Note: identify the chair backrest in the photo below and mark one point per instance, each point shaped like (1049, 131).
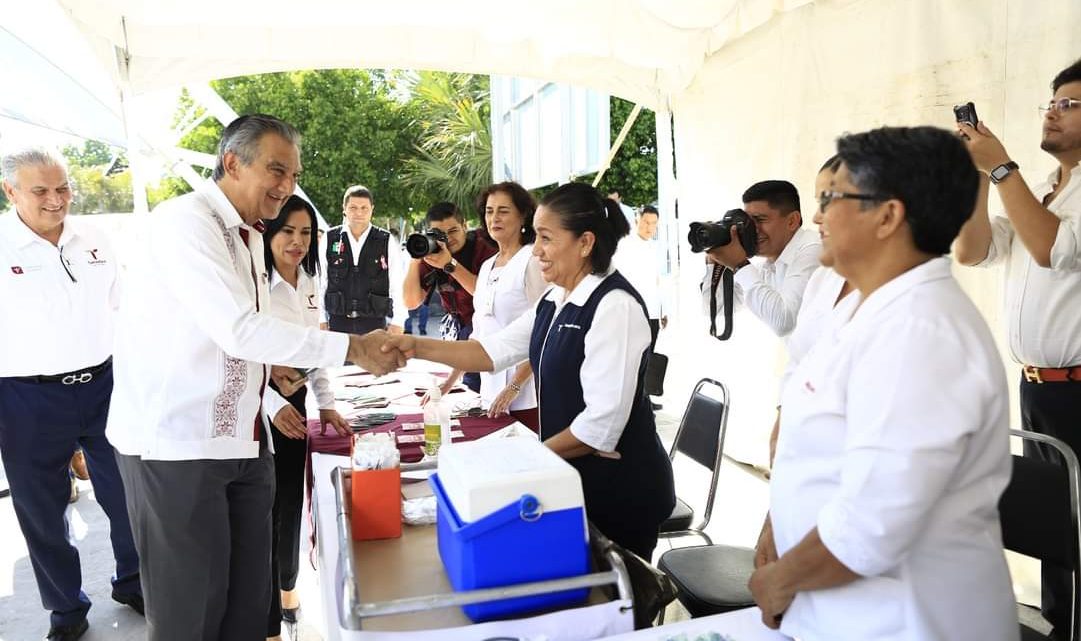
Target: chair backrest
(1040, 515)
(701, 436)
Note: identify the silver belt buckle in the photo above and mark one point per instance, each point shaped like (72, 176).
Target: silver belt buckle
(77, 379)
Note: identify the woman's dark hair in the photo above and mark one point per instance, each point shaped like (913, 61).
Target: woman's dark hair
(523, 202)
(581, 208)
(832, 164)
(926, 168)
(310, 264)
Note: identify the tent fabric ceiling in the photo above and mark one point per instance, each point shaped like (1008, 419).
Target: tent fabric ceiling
(639, 49)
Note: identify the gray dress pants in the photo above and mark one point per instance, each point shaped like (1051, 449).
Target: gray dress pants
(202, 529)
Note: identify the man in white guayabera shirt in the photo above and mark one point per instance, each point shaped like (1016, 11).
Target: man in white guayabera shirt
(194, 341)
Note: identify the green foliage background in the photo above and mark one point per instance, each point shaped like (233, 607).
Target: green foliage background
(413, 138)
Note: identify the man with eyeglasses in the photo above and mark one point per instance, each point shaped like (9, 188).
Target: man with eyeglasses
(58, 284)
(1039, 241)
(771, 288)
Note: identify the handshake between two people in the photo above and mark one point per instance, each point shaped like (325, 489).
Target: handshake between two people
(380, 352)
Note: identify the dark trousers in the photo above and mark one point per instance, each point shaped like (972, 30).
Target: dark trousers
(1053, 409)
(654, 330)
(41, 425)
(203, 532)
(356, 325)
(290, 457)
(420, 314)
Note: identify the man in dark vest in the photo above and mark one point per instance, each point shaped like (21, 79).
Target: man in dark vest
(364, 271)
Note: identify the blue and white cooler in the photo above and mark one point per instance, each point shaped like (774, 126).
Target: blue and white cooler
(510, 511)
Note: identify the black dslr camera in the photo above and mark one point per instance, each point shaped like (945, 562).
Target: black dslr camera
(706, 236)
(426, 243)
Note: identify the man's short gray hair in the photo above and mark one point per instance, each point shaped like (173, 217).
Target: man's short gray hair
(16, 159)
(242, 138)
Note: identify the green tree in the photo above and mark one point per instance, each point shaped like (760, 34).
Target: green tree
(454, 154)
(355, 131)
(99, 177)
(634, 169)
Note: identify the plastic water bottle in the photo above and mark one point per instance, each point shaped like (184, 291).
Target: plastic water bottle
(434, 419)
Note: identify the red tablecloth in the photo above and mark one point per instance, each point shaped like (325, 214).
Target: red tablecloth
(472, 428)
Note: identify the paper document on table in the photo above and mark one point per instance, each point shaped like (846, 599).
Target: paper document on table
(740, 625)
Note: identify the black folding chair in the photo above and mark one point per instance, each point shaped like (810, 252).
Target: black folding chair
(711, 578)
(1040, 518)
(700, 441)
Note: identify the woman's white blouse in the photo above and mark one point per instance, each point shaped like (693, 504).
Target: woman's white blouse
(614, 345)
(302, 305)
(502, 295)
(894, 443)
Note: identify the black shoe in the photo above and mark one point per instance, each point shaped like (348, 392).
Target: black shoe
(134, 601)
(67, 632)
(289, 615)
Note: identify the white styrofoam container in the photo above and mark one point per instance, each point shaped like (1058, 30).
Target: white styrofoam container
(483, 476)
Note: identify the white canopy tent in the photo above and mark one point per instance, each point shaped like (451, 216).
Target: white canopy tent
(755, 89)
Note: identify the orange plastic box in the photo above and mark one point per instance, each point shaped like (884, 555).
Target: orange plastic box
(377, 504)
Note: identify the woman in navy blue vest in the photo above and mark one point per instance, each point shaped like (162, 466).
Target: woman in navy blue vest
(587, 340)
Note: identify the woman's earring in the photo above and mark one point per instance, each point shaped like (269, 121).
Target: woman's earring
(523, 230)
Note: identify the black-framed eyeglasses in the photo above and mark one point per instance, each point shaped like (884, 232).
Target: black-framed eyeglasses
(1060, 105)
(828, 196)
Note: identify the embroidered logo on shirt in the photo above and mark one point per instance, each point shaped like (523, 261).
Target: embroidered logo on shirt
(807, 386)
(383, 263)
(94, 260)
(568, 326)
(15, 269)
(311, 302)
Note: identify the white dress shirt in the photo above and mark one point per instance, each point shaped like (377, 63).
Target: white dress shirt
(502, 295)
(1043, 305)
(772, 290)
(395, 271)
(614, 346)
(191, 344)
(53, 322)
(894, 443)
(302, 306)
(819, 304)
(636, 259)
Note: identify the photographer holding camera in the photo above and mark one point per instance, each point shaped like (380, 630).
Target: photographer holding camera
(447, 258)
(363, 269)
(771, 289)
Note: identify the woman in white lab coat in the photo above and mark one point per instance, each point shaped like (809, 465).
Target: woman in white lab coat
(291, 248)
(893, 448)
(508, 285)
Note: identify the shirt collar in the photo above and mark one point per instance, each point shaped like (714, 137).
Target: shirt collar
(582, 291)
(276, 278)
(798, 240)
(934, 269)
(24, 236)
(224, 207)
(1053, 177)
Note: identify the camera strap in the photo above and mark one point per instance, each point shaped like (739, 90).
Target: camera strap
(726, 277)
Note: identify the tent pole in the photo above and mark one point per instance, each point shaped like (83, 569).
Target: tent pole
(618, 143)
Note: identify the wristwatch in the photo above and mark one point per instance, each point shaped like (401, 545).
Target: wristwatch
(451, 266)
(998, 174)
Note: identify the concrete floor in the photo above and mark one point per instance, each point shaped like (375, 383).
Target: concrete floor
(22, 617)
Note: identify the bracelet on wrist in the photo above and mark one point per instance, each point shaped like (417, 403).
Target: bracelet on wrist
(516, 387)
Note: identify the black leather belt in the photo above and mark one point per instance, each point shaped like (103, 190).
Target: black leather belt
(77, 377)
